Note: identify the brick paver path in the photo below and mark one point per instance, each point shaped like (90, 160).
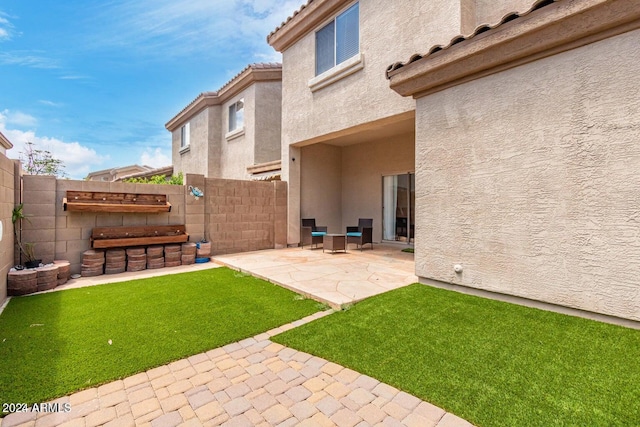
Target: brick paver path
(254, 382)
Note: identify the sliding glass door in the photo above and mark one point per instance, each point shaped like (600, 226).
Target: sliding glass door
(398, 210)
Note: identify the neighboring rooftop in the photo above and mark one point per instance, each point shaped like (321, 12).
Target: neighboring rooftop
(258, 72)
(167, 171)
(114, 173)
(4, 142)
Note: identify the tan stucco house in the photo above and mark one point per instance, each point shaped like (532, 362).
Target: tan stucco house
(233, 133)
(114, 174)
(528, 156)
(507, 150)
(348, 142)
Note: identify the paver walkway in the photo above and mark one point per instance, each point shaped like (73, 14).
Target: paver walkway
(254, 382)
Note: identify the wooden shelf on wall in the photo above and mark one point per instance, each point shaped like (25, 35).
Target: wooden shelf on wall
(93, 201)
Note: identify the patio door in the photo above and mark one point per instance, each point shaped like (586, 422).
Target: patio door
(398, 210)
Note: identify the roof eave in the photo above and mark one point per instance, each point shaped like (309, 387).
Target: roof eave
(251, 74)
(203, 101)
(248, 77)
(303, 21)
(4, 142)
(547, 31)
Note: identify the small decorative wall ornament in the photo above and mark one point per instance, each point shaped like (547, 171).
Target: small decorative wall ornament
(196, 192)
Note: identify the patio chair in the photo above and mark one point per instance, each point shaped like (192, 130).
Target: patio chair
(362, 234)
(310, 233)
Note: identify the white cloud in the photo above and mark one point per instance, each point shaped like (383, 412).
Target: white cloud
(155, 158)
(73, 77)
(167, 27)
(18, 118)
(50, 103)
(5, 27)
(78, 159)
(31, 59)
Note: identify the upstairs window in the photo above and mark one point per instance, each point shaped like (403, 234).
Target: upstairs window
(339, 40)
(185, 136)
(236, 115)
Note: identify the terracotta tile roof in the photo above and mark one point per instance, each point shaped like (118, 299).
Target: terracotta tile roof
(289, 18)
(256, 66)
(200, 96)
(212, 97)
(479, 30)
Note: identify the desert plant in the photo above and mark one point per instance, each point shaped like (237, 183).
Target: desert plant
(157, 179)
(26, 249)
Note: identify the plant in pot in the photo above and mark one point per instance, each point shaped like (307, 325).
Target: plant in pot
(26, 249)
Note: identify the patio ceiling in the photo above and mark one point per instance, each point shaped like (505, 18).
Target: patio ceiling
(383, 129)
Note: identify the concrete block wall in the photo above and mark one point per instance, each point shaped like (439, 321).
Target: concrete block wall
(237, 216)
(195, 209)
(59, 234)
(39, 198)
(245, 215)
(8, 170)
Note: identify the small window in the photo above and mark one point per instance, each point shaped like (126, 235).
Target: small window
(339, 40)
(236, 115)
(185, 136)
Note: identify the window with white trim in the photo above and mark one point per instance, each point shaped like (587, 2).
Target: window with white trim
(185, 135)
(236, 115)
(339, 40)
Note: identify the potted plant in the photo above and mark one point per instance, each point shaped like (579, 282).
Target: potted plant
(26, 249)
(30, 260)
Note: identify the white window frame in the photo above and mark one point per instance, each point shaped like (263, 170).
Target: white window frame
(236, 116)
(333, 22)
(185, 136)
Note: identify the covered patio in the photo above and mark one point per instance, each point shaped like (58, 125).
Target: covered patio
(336, 279)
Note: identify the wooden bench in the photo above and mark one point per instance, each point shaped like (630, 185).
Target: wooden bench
(93, 201)
(116, 237)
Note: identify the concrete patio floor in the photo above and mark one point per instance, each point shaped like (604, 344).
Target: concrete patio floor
(334, 278)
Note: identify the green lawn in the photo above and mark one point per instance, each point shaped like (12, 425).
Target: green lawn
(53, 344)
(492, 363)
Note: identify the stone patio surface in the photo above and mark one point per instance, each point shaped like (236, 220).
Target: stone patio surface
(254, 382)
(334, 278)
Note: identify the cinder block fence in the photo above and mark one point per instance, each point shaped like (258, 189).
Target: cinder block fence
(234, 215)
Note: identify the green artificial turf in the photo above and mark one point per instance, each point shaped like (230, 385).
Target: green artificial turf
(56, 343)
(492, 363)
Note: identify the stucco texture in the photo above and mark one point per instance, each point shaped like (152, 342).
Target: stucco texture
(204, 144)
(529, 179)
(363, 96)
(349, 106)
(490, 12)
(7, 203)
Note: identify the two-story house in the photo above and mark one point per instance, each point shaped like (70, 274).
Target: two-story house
(508, 152)
(233, 133)
(348, 142)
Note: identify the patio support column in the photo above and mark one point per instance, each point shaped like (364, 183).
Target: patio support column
(291, 161)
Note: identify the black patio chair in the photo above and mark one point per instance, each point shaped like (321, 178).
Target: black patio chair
(362, 234)
(310, 233)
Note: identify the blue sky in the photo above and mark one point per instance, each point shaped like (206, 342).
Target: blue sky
(94, 82)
